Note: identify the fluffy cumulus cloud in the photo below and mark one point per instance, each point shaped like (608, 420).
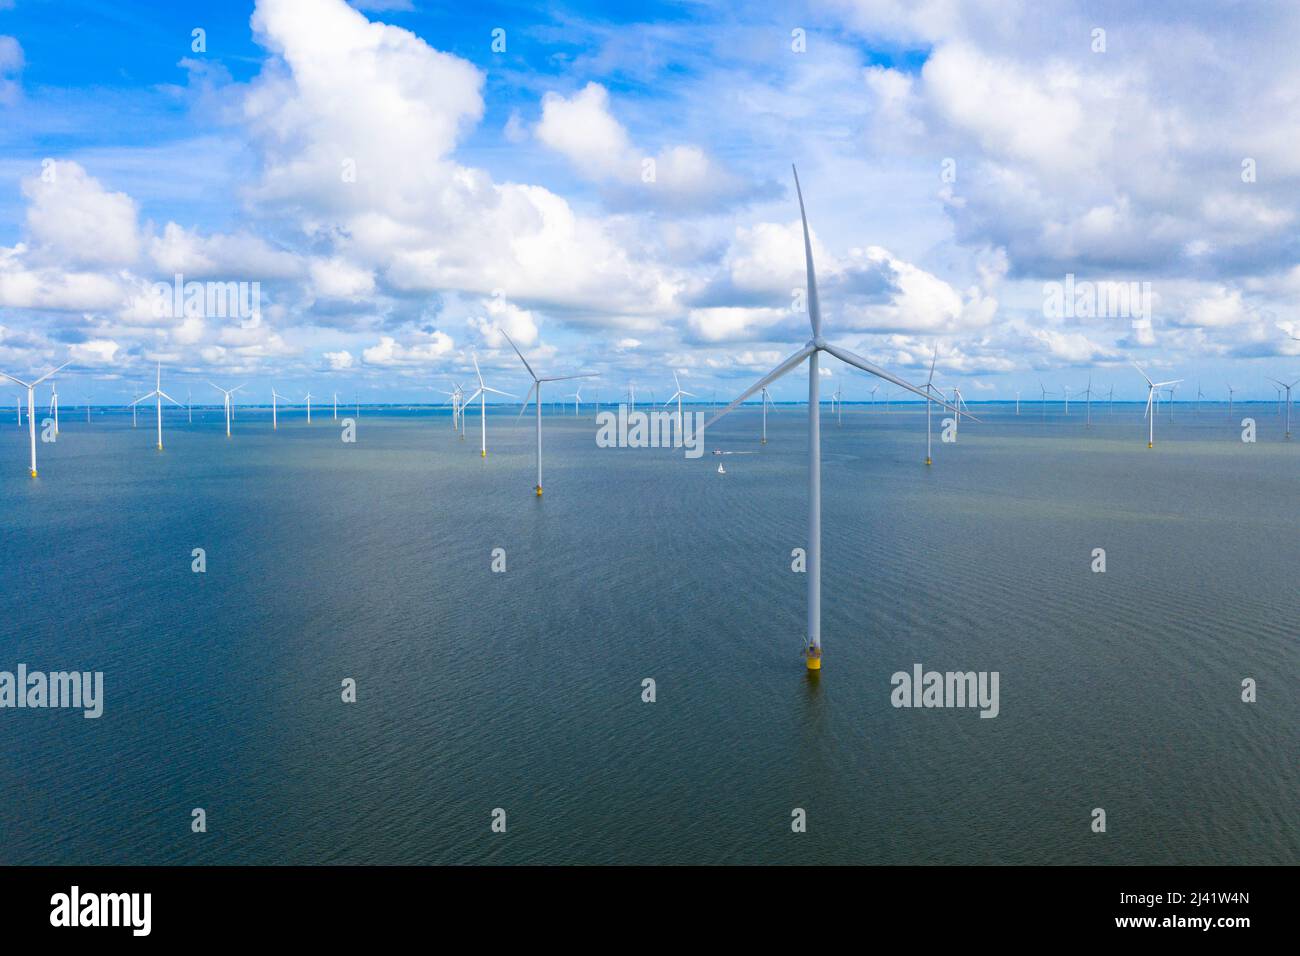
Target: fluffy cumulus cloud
(956, 155)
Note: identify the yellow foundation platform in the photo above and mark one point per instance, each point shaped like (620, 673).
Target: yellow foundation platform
(813, 657)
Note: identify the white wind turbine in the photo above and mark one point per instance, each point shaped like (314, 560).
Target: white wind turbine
(1150, 415)
(336, 406)
(31, 406)
(226, 394)
(536, 387)
(481, 395)
(1044, 399)
(812, 353)
(1017, 401)
(767, 400)
(1288, 401)
(54, 404)
(931, 390)
(453, 399)
(307, 399)
(1088, 393)
(678, 396)
(158, 394)
(839, 404)
(631, 397)
(276, 397)
(958, 403)
(874, 388)
(1231, 390)
(577, 400)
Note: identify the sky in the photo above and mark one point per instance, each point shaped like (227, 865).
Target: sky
(1041, 192)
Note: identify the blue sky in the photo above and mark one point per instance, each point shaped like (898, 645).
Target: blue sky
(958, 159)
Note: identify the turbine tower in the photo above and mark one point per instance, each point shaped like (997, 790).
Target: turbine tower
(275, 417)
(536, 387)
(31, 406)
(812, 353)
(307, 399)
(159, 395)
(54, 404)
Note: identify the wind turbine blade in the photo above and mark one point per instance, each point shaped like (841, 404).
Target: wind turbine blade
(520, 354)
(143, 397)
(1144, 374)
(499, 392)
(474, 356)
(565, 378)
(527, 398)
(1150, 394)
(48, 374)
(1163, 384)
(932, 361)
(814, 306)
(169, 398)
(859, 362)
(17, 381)
(768, 379)
(472, 397)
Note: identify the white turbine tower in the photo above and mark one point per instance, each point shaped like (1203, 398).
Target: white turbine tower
(812, 353)
(536, 387)
(1044, 399)
(307, 399)
(481, 395)
(276, 397)
(336, 406)
(1231, 391)
(958, 403)
(930, 390)
(31, 406)
(577, 400)
(158, 394)
(1088, 393)
(453, 399)
(227, 393)
(678, 396)
(1017, 401)
(1151, 398)
(767, 400)
(874, 389)
(1288, 401)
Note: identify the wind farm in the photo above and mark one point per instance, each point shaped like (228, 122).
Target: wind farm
(863, 588)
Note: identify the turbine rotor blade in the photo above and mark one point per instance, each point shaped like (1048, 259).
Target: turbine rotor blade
(814, 306)
(768, 379)
(844, 355)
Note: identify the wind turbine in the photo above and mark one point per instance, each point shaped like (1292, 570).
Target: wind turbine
(1088, 393)
(1199, 395)
(1044, 399)
(1110, 406)
(1288, 402)
(275, 397)
(631, 397)
(1151, 397)
(453, 399)
(930, 391)
(1171, 391)
(1067, 400)
(536, 387)
(189, 404)
(31, 406)
(1231, 390)
(227, 393)
(159, 395)
(839, 404)
(873, 396)
(1017, 401)
(577, 400)
(54, 404)
(767, 400)
(678, 395)
(307, 398)
(958, 402)
(336, 406)
(812, 353)
(481, 395)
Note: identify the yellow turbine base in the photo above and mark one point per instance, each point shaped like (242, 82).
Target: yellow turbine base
(539, 491)
(1149, 445)
(763, 442)
(160, 446)
(33, 472)
(814, 659)
(927, 461)
(483, 453)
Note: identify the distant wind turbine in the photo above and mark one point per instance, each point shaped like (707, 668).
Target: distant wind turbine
(1288, 402)
(226, 394)
(54, 404)
(275, 415)
(158, 394)
(536, 388)
(481, 395)
(31, 406)
(1152, 388)
(307, 399)
(766, 401)
(812, 353)
(678, 396)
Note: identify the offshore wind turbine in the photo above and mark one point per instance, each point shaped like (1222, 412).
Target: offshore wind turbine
(159, 395)
(1088, 393)
(307, 398)
(930, 390)
(839, 404)
(1017, 401)
(958, 402)
(1231, 390)
(227, 393)
(536, 387)
(874, 388)
(31, 406)
(811, 352)
(481, 395)
(766, 401)
(54, 404)
(336, 406)
(678, 396)
(1043, 403)
(275, 418)
(1066, 392)
(1152, 391)
(1288, 402)
(577, 399)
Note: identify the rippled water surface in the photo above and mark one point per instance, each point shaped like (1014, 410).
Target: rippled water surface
(522, 690)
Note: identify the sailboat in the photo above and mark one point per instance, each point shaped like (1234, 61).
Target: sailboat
(721, 470)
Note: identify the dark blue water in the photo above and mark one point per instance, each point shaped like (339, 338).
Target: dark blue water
(522, 690)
